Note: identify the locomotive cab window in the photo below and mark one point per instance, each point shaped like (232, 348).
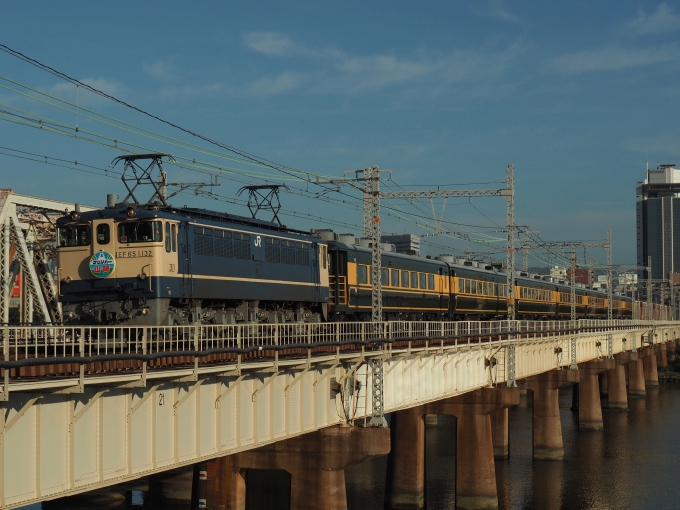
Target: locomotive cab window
(74, 235)
(174, 237)
(103, 233)
(168, 238)
(140, 232)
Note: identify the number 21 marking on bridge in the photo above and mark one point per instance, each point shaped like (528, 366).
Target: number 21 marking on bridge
(161, 399)
(258, 241)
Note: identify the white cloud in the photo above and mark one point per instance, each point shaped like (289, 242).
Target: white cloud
(190, 91)
(660, 21)
(332, 71)
(275, 44)
(275, 85)
(612, 58)
(160, 70)
(496, 9)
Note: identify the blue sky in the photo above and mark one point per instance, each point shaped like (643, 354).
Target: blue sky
(574, 94)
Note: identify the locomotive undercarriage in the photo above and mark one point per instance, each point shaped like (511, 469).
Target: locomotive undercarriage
(168, 312)
(244, 312)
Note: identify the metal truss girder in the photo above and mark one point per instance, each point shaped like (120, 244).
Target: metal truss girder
(27, 268)
(511, 380)
(377, 393)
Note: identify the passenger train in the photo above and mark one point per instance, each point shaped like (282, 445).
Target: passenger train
(149, 265)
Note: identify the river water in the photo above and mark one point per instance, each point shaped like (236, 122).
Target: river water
(633, 464)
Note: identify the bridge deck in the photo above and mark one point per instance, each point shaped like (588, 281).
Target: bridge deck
(90, 407)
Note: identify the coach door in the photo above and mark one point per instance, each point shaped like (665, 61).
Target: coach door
(167, 265)
(441, 283)
(184, 255)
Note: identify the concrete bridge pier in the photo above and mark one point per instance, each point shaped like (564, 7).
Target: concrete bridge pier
(547, 426)
(500, 433)
(589, 405)
(171, 488)
(617, 396)
(405, 487)
(650, 367)
(603, 381)
(315, 461)
(636, 378)
(475, 468)
(661, 355)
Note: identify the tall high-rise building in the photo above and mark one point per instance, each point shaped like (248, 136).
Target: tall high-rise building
(658, 220)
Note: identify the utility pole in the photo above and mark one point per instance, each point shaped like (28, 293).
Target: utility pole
(649, 288)
(610, 283)
(572, 283)
(372, 230)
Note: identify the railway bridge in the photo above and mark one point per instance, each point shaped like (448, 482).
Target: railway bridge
(89, 407)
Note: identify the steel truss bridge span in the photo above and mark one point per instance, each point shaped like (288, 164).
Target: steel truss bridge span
(87, 407)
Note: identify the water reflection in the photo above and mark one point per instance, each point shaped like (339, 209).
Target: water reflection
(633, 464)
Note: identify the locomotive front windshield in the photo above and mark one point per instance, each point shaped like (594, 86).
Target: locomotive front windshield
(74, 235)
(140, 232)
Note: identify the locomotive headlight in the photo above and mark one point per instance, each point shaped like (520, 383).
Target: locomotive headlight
(131, 212)
(75, 215)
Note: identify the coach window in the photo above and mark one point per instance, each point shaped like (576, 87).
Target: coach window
(467, 286)
(430, 281)
(395, 278)
(461, 285)
(103, 236)
(423, 280)
(404, 279)
(414, 280)
(385, 276)
(362, 275)
(473, 287)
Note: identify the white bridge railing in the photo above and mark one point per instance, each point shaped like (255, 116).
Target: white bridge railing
(25, 343)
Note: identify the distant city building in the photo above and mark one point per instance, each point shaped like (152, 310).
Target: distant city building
(658, 220)
(558, 272)
(583, 275)
(628, 278)
(405, 243)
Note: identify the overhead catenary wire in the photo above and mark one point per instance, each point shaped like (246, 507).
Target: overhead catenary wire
(94, 90)
(397, 213)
